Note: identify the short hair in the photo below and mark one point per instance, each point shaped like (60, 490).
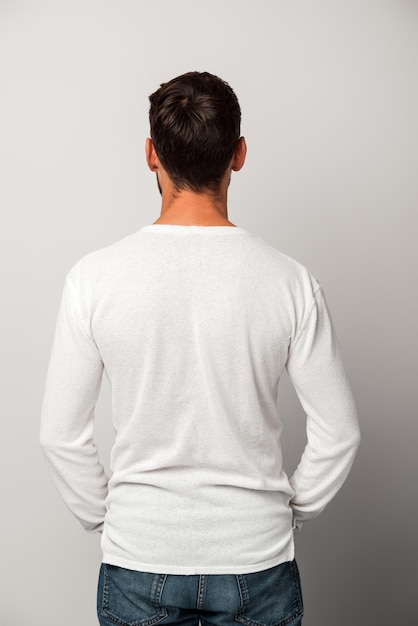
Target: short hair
(195, 124)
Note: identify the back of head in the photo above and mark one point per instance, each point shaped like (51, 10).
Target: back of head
(195, 125)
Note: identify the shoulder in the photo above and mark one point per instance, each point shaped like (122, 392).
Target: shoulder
(287, 270)
(102, 262)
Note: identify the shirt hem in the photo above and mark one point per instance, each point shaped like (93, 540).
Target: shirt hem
(289, 555)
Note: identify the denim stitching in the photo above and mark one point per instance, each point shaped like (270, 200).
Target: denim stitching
(150, 622)
(157, 588)
(243, 589)
(244, 595)
(297, 602)
(105, 592)
(201, 592)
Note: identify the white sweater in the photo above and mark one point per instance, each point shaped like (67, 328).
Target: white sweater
(193, 327)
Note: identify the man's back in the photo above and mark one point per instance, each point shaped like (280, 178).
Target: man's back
(194, 320)
(193, 326)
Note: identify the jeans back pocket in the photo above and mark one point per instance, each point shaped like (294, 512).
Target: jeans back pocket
(272, 597)
(130, 598)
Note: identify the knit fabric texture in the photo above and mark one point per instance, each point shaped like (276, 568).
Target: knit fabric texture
(193, 327)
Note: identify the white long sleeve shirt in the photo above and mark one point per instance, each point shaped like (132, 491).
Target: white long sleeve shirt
(193, 327)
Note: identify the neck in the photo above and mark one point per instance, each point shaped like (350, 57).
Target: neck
(190, 208)
(194, 209)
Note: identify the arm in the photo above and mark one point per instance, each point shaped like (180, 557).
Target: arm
(317, 373)
(66, 436)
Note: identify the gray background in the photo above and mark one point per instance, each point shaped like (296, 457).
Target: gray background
(329, 101)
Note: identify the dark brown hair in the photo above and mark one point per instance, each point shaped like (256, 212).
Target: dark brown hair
(195, 125)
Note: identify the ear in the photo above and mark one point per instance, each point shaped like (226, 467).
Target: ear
(240, 153)
(151, 155)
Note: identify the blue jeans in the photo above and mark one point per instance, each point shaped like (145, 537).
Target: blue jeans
(272, 597)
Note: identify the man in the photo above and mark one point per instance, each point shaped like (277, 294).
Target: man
(194, 320)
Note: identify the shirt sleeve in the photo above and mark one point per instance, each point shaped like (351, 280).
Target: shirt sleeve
(72, 387)
(316, 370)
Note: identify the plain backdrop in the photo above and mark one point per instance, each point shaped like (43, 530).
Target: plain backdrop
(328, 91)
